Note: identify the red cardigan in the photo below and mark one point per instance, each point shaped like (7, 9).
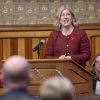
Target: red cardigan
(76, 45)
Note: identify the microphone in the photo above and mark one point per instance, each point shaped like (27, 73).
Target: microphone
(38, 45)
(59, 73)
(39, 73)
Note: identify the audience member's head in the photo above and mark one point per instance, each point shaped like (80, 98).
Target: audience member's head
(96, 65)
(16, 72)
(57, 88)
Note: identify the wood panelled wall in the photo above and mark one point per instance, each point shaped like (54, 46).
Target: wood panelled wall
(20, 39)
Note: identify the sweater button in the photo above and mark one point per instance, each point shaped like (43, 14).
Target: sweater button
(67, 45)
(67, 53)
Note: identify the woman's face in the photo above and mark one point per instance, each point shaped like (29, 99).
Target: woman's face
(97, 64)
(66, 18)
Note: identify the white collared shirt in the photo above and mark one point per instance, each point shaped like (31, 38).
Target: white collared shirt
(97, 88)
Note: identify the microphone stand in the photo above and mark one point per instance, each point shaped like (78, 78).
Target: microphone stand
(38, 52)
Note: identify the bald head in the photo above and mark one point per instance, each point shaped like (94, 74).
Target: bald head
(16, 68)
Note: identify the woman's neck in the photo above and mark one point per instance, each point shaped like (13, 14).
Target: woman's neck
(67, 30)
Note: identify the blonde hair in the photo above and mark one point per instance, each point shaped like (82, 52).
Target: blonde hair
(58, 88)
(60, 10)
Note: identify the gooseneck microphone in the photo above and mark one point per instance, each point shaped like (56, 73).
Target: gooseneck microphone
(37, 47)
(39, 73)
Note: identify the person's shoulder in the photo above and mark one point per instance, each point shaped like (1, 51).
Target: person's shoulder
(21, 96)
(34, 97)
(3, 97)
(30, 97)
(80, 31)
(0, 97)
(55, 32)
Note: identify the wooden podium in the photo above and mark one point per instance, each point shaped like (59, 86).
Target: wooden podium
(44, 68)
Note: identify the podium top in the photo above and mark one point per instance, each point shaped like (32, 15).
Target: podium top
(58, 61)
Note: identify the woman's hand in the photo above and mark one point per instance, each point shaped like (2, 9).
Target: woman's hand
(62, 57)
(65, 57)
(68, 57)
